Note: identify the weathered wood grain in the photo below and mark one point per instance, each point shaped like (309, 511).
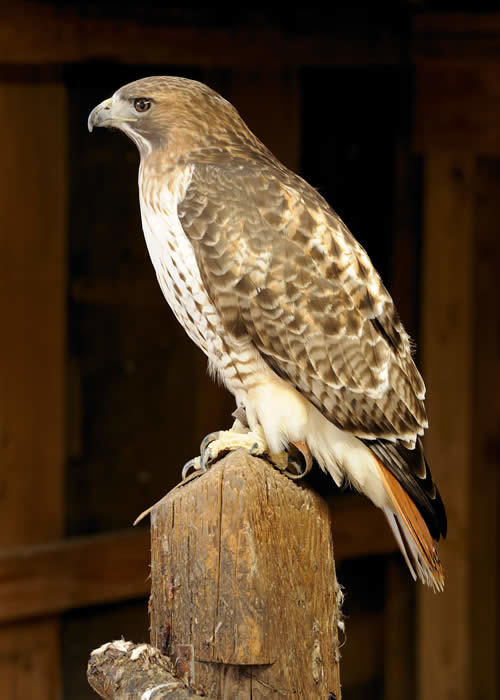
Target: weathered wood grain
(243, 571)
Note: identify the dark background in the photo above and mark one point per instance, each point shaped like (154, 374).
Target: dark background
(357, 115)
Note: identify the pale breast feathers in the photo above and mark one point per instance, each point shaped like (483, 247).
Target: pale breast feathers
(282, 269)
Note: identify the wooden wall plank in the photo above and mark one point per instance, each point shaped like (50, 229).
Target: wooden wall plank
(457, 39)
(462, 369)
(32, 32)
(443, 25)
(29, 666)
(32, 308)
(32, 351)
(399, 632)
(444, 634)
(73, 573)
(360, 529)
(484, 481)
(457, 118)
(457, 106)
(269, 102)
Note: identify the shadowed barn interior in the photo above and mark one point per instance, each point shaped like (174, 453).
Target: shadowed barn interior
(393, 114)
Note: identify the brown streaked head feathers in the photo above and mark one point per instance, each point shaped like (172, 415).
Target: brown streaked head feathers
(184, 116)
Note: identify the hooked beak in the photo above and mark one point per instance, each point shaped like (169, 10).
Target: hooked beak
(101, 115)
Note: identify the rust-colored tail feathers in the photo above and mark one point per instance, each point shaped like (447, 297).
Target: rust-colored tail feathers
(412, 533)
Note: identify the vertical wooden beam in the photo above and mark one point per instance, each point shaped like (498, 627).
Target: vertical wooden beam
(484, 485)
(458, 631)
(444, 635)
(457, 120)
(32, 352)
(399, 633)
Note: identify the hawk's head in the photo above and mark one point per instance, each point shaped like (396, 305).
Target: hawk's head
(171, 114)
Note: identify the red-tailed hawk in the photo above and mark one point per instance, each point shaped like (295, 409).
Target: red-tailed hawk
(285, 303)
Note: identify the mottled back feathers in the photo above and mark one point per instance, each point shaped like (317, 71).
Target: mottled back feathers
(284, 270)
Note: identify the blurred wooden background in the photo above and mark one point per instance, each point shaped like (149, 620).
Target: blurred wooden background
(393, 113)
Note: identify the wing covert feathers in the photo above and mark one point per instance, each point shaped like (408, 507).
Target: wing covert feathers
(286, 274)
(412, 533)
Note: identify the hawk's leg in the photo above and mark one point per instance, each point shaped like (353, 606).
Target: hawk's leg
(216, 445)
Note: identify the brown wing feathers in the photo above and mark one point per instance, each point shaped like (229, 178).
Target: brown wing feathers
(333, 333)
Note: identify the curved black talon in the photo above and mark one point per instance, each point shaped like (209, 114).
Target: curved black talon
(301, 459)
(190, 464)
(204, 458)
(300, 472)
(207, 440)
(254, 450)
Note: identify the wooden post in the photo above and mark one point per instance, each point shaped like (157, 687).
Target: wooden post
(244, 593)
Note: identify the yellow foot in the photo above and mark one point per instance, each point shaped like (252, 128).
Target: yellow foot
(217, 444)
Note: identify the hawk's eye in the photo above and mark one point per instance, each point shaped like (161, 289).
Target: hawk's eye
(142, 104)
